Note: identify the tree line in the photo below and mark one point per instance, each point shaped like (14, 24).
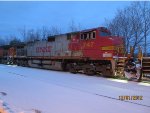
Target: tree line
(31, 35)
(133, 24)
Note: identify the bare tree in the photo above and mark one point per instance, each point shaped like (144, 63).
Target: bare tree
(23, 33)
(54, 30)
(8, 39)
(14, 40)
(145, 8)
(2, 42)
(31, 35)
(45, 32)
(132, 25)
(73, 26)
(135, 19)
(37, 34)
(120, 26)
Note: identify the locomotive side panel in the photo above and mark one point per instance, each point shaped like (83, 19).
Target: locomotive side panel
(1, 52)
(91, 45)
(61, 46)
(55, 48)
(21, 52)
(40, 49)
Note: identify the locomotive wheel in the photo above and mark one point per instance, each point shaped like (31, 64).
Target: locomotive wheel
(72, 69)
(64, 66)
(88, 71)
(106, 72)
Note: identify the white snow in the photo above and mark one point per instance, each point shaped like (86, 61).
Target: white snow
(29, 90)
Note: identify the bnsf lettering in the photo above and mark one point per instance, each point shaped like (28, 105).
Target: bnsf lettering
(43, 49)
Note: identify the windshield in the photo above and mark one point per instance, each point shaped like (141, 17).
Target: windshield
(104, 33)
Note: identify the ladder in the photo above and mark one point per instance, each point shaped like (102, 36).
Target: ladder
(146, 66)
(119, 68)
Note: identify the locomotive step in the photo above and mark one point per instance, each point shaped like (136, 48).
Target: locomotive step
(146, 57)
(120, 65)
(146, 71)
(121, 61)
(144, 62)
(146, 66)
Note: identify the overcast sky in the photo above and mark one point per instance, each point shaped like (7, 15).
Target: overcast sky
(16, 15)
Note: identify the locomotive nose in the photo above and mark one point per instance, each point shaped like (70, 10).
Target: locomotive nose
(118, 45)
(116, 40)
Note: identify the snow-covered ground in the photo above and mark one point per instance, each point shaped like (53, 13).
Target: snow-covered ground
(30, 90)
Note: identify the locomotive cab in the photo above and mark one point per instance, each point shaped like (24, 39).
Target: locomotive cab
(98, 43)
(98, 47)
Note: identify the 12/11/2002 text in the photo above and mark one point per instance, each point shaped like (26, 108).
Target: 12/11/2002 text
(126, 97)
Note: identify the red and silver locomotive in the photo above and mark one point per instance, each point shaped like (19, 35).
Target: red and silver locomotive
(90, 51)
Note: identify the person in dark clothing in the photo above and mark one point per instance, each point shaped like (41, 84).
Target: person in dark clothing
(139, 70)
(130, 66)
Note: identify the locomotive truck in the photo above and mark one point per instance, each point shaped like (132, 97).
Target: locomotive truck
(90, 51)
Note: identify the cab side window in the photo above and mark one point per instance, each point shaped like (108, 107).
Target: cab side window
(81, 36)
(87, 36)
(94, 35)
